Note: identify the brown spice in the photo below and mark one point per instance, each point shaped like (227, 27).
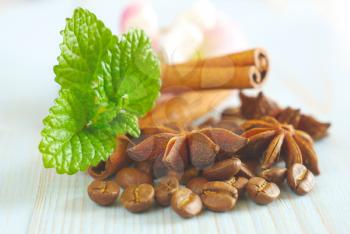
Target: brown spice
(114, 163)
(316, 129)
(256, 107)
(276, 138)
(177, 151)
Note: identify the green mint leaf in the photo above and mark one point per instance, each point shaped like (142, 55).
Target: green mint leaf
(126, 123)
(68, 144)
(106, 84)
(139, 79)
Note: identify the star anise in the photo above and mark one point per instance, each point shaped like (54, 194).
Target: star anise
(228, 123)
(176, 152)
(274, 139)
(306, 123)
(256, 107)
(259, 106)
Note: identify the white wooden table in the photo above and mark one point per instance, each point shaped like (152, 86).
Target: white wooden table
(309, 47)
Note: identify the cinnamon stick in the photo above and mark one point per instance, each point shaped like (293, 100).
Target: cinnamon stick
(115, 162)
(246, 69)
(184, 108)
(198, 78)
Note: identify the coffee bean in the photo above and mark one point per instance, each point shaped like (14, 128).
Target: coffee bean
(219, 196)
(239, 183)
(189, 174)
(223, 170)
(138, 198)
(300, 179)
(196, 184)
(104, 193)
(275, 175)
(261, 191)
(165, 189)
(247, 171)
(145, 166)
(132, 176)
(186, 203)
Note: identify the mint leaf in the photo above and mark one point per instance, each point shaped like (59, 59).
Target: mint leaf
(125, 122)
(139, 73)
(106, 84)
(68, 144)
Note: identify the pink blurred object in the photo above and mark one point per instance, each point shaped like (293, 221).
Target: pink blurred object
(224, 37)
(140, 14)
(201, 31)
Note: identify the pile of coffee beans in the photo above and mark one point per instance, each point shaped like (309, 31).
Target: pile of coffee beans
(217, 188)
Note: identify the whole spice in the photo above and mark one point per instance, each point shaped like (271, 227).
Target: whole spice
(223, 170)
(138, 198)
(178, 151)
(246, 69)
(190, 173)
(274, 137)
(145, 166)
(256, 107)
(261, 191)
(248, 169)
(306, 123)
(239, 183)
(114, 163)
(165, 189)
(196, 184)
(300, 179)
(184, 108)
(260, 106)
(186, 203)
(219, 196)
(104, 193)
(274, 174)
(132, 176)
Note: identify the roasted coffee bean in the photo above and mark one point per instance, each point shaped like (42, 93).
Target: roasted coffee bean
(132, 176)
(300, 179)
(239, 183)
(104, 193)
(219, 196)
(189, 174)
(145, 166)
(247, 171)
(275, 175)
(223, 170)
(138, 198)
(165, 189)
(186, 203)
(196, 184)
(261, 191)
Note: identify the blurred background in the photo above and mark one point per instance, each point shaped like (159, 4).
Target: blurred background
(308, 43)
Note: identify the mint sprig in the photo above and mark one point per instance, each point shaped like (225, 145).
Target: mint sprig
(106, 84)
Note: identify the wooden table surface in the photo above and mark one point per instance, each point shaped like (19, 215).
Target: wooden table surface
(309, 48)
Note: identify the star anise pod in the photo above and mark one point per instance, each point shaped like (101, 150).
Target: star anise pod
(176, 152)
(273, 138)
(306, 123)
(118, 159)
(259, 106)
(256, 107)
(227, 123)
